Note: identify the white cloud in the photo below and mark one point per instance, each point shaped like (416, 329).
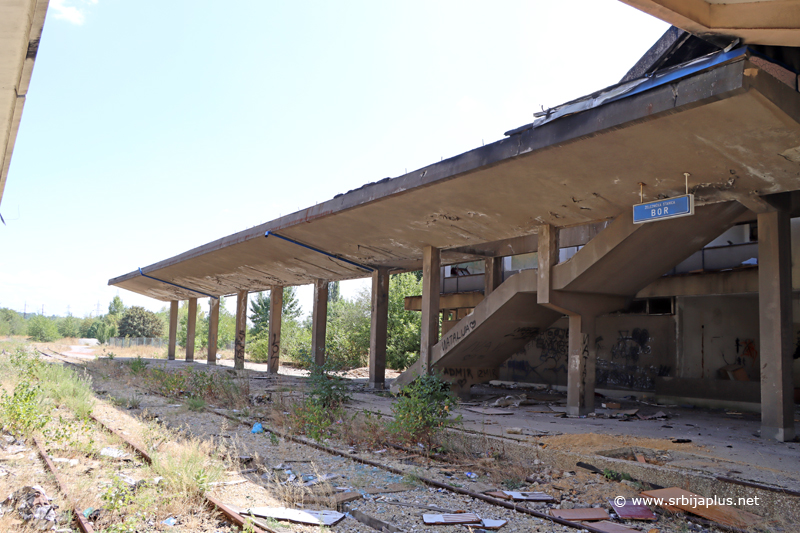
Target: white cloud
(61, 9)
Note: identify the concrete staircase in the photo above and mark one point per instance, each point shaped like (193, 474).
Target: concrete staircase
(620, 261)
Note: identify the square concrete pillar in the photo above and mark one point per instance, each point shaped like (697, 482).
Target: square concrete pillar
(775, 324)
(379, 325)
(581, 365)
(431, 282)
(191, 327)
(241, 330)
(492, 275)
(319, 321)
(547, 256)
(275, 316)
(213, 330)
(173, 329)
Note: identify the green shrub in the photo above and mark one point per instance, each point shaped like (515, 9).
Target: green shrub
(139, 322)
(42, 329)
(423, 410)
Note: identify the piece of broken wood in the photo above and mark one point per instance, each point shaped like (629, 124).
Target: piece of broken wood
(675, 497)
(374, 523)
(393, 487)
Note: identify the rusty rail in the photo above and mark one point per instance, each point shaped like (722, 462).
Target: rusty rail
(83, 524)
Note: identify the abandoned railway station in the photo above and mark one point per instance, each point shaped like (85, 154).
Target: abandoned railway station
(642, 240)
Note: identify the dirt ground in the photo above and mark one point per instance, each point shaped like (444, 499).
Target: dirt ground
(268, 460)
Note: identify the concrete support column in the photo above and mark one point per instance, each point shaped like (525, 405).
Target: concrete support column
(581, 365)
(775, 325)
(213, 330)
(173, 329)
(191, 327)
(319, 321)
(431, 282)
(493, 274)
(241, 330)
(547, 256)
(378, 328)
(275, 316)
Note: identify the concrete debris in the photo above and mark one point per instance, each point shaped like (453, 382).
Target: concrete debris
(588, 514)
(114, 453)
(70, 462)
(372, 522)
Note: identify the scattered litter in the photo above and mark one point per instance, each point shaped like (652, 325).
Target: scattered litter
(321, 479)
(257, 428)
(171, 521)
(33, 506)
(489, 523)
(632, 511)
(380, 451)
(489, 411)
(226, 483)
(314, 518)
(591, 513)
(471, 475)
(722, 514)
(612, 405)
(456, 518)
(681, 441)
(11, 450)
(418, 506)
(113, 452)
(374, 523)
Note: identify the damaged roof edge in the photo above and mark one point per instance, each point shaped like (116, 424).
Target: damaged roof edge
(568, 128)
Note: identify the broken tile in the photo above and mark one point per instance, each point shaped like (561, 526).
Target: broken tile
(632, 511)
(315, 518)
(456, 518)
(688, 501)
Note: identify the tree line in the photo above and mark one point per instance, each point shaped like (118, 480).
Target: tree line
(347, 339)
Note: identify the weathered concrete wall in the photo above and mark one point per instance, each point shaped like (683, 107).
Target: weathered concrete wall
(716, 331)
(633, 350)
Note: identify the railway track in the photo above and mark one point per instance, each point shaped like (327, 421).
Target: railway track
(435, 484)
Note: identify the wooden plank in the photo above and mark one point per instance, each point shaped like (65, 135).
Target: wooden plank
(489, 411)
(374, 523)
(591, 513)
(710, 508)
(457, 518)
(393, 487)
(633, 511)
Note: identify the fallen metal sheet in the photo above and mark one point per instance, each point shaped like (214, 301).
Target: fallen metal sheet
(613, 527)
(489, 411)
(457, 518)
(489, 523)
(521, 496)
(684, 500)
(314, 518)
(592, 513)
(632, 511)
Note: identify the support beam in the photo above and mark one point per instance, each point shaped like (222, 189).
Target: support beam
(173, 329)
(319, 321)
(581, 365)
(379, 324)
(241, 330)
(493, 274)
(191, 328)
(548, 258)
(775, 324)
(213, 329)
(431, 281)
(275, 316)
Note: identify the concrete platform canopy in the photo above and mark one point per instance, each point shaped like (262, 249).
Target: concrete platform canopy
(21, 24)
(726, 122)
(724, 127)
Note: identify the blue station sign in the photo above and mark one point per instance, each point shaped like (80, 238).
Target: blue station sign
(680, 206)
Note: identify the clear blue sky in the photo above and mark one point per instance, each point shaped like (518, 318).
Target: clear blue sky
(153, 127)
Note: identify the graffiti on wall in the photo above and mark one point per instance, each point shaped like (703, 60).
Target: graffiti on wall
(625, 376)
(630, 346)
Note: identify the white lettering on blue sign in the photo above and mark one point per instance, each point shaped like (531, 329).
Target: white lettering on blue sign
(679, 206)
